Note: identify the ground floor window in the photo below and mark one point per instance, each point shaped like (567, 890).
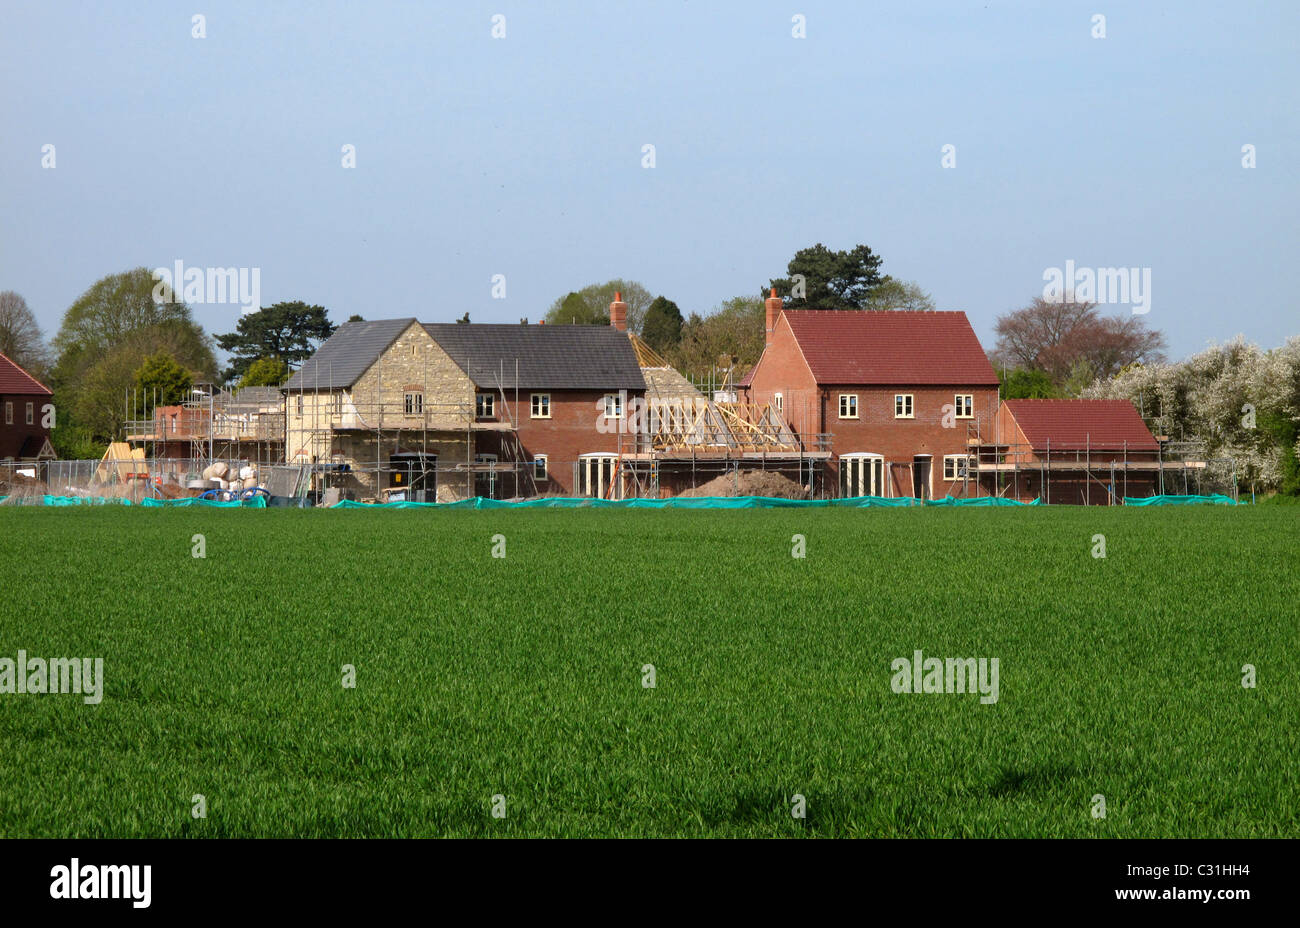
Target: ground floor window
(539, 467)
(862, 475)
(956, 466)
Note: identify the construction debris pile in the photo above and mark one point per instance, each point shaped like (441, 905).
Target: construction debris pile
(750, 483)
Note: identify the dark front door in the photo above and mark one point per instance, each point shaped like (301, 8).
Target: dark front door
(415, 473)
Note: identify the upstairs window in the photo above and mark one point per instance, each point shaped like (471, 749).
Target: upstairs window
(414, 404)
(848, 405)
(9, 413)
(485, 406)
(541, 406)
(903, 406)
(613, 406)
(964, 403)
(31, 413)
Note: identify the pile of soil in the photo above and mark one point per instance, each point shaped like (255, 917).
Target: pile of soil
(750, 483)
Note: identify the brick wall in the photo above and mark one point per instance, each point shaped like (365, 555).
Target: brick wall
(571, 431)
(13, 436)
(811, 408)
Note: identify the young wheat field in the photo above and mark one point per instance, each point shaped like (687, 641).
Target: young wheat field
(510, 695)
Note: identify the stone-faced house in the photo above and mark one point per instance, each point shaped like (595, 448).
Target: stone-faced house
(896, 394)
(446, 411)
(24, 434)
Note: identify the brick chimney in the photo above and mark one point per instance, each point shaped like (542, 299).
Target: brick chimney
(774, 305)
(618, 313)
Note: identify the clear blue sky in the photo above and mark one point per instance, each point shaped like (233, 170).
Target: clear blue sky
(522, 156)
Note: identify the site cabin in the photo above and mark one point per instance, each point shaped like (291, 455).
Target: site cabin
(1072, 451)
(24, 430)
(397, 409)
(894, 396)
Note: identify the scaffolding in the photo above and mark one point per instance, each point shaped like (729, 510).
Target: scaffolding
(1101, 472)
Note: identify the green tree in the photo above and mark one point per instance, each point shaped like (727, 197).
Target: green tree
(831, 279)
(905, 295)
(161, 381)
(662, 327)
(590, 305)
(289, 332)
(356, 317)
(732, 335)
(265, 372)
(1022, 384)
(106, 336)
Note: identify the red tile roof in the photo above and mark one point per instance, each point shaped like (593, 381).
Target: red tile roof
(896, 348)
(1076, 424)
(13, 379)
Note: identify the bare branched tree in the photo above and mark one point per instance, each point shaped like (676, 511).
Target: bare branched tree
(20, 335)
(1063, 337)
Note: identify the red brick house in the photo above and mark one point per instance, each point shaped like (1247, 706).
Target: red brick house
(1071, 451)
(23, 398)
(560, 393)
(898, 394)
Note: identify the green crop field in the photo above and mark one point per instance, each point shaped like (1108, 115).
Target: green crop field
(523, 676)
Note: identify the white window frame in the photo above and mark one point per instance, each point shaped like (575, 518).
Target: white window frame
(617, 399)
(602, 463)
(907, 401)
(874, 466)
(482, 401)
(537, 401)
(778, 401)
(299, 406)
(413, 403)
(950, 467)
(964, 399)
(852, 401)
(541, 469)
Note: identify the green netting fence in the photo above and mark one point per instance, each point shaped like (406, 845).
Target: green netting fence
(1215, 498)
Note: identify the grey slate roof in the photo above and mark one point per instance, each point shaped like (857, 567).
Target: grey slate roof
(557, 357)
(347, 354)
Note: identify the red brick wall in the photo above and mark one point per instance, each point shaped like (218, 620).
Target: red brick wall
(569, 432)
(810, 408)
(13, 436)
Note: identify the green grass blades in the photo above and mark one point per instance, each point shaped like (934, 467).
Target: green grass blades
(523, 677)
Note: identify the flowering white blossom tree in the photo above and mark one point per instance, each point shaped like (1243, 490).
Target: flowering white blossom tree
(1244, 403)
